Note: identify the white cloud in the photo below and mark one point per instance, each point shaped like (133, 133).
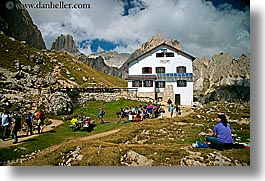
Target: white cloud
(202, 30)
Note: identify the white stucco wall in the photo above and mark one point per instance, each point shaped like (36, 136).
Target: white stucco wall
(170, 64)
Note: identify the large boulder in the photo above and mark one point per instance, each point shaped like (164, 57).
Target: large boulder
(60, 104)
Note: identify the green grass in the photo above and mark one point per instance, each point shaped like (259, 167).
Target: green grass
(154, 138)
(91, 108)
(14, 50)
(64, 133)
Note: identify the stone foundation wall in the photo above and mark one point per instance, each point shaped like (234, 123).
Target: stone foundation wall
(109, 97)
(146, 94)
(169, 93)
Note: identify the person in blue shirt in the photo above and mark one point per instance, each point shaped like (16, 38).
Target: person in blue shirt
(221, 134)
(171, 109)
(29, 121)
(5, 123)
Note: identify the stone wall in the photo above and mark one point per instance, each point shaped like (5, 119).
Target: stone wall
(169, 93)
(146, 94)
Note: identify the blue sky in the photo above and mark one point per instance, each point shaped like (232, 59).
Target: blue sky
(204, 27)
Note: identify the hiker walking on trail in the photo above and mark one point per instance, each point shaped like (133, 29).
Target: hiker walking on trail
(169, 102)
(40, 119)
(171, 109)
(16, 126)
(29, 122)
(5, 122)
(101, 115)
(39, 89)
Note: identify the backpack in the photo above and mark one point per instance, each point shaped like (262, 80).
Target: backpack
(40, 116)
(18, 123)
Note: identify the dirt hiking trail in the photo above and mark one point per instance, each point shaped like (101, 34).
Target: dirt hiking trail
(90, 137)
(22, 134)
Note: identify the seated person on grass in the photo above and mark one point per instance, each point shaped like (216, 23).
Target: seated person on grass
(221, 136)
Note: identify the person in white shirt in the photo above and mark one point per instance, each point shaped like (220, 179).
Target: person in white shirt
(5, 123)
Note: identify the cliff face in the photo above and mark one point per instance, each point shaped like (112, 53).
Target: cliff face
(111, 58)
(222, 78)
(99, 64)
(65, 43)
(17, 23)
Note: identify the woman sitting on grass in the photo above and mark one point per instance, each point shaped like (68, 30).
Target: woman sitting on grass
(221, 135)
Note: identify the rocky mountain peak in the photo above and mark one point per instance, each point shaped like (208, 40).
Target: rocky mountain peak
(153, 42)
(65, 43)
(111, 58)
(221, 71)
(18, 24)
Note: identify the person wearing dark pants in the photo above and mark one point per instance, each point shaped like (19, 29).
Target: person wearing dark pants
(221, 134)
(29, 121)
(101, 115)
(5, 122)
(16, 124)
(40, 118)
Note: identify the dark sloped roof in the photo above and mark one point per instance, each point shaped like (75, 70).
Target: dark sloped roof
(163, 44)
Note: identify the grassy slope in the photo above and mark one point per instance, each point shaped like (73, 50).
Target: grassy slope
(14, 50)
(155, 145)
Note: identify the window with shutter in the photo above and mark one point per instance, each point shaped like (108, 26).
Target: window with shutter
(170, 54)
(182, 83)
(181, 69)
(160, 70)
(137, 83)
(160, 54)
(148, 83)
(160, 84)
(146, 70)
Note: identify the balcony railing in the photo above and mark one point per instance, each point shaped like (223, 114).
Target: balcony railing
(141, 77)
(174, 77)
(169, 77)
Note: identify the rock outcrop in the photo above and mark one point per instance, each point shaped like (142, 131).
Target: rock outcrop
(17, 23)
(153, 42)
(65, 43)
(112, 59)
(222, 78)
(60, 104)
(99, 64)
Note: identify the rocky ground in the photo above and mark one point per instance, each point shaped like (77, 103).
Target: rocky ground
(147, 138)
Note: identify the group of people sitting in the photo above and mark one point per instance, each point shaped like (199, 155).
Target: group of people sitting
(79, 122)
(11, 124)
(141, 112)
